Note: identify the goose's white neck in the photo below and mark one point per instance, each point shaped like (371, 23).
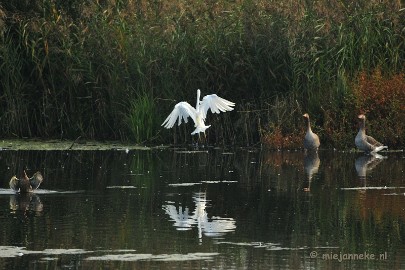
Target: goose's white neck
(308, 123)
(362, 125)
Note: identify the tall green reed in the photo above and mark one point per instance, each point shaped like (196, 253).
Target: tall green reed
(142, 121)
(14, 110)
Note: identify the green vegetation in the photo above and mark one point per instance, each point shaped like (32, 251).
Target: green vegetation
(114, 69)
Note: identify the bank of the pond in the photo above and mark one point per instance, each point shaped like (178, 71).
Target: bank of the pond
(92, 145)
(69, 145)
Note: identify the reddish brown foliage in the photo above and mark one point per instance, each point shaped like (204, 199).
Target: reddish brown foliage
(378, 94)
(382, 99)
(278, 140)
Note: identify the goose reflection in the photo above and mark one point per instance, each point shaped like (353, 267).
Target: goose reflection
(311, 166)
(366, 163)
(26, 202)
(211, 227)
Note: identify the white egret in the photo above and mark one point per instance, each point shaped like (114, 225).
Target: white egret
(183, 110)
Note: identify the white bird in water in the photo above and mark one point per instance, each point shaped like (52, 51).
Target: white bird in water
(183, 110)
(311, 140)
(364, 142)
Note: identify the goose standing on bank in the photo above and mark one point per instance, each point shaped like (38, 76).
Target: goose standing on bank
(183, 110)
(25, 184)
(311, 140)
(364, 142)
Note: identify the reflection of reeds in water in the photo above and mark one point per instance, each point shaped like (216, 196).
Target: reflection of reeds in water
(377, 205)
(296, 165)
(277, 159)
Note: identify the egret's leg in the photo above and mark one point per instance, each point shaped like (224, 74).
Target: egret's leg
(205, 139)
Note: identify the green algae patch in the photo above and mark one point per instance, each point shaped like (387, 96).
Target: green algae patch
(67, 145)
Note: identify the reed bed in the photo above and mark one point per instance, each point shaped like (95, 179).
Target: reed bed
(114, 69)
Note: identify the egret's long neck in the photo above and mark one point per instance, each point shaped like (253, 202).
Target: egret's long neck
(197, 105)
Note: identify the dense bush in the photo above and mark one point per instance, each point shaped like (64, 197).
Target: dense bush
(382, 99)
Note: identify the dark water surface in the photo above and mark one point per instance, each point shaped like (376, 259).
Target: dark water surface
(215, 209)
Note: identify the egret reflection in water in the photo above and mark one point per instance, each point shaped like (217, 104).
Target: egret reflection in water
(212, 227)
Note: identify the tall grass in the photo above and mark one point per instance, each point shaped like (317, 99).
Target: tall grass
(142, 119)
(114, 69)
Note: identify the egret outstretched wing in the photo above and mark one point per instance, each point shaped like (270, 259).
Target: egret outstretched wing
(181, 111)
(216, 104)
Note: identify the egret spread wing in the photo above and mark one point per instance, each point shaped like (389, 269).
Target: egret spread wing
(216, 104)
(181, 111)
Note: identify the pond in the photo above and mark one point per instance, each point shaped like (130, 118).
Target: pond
(215, 208)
